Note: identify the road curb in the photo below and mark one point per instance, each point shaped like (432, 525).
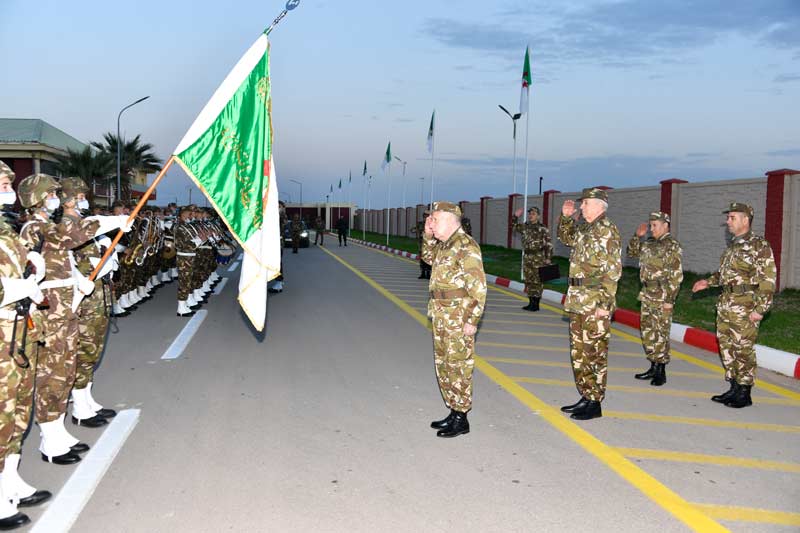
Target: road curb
(785, 363)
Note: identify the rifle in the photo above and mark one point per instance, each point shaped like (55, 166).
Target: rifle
(23, 308)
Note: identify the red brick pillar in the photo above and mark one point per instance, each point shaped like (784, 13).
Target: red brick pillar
(483, 217)
(546, 206)
(510, 222)
(666, 194)
(774, 213)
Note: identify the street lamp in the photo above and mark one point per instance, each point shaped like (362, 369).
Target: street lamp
(119, 142)
(404, 163)
(514, 119)
(301, 196)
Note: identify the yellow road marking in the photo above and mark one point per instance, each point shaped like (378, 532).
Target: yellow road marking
(748, 514)
(521, 333)
(524, 322)
(707, 422)
(562, 349)
(613, 369)
(720, 460)
(650, 390)
(528, 314)
(648, 485)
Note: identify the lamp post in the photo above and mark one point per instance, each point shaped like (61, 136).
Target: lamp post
(404, 163)
(540, 185)
(422, 189)
(301, 197)
(119, 142)
(514, 119)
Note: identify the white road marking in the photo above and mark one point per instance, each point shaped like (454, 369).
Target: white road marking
(65, 508)
(182, 340)
(234, 266)
(221, 286)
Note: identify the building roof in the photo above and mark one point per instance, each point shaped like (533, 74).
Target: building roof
(36, 131)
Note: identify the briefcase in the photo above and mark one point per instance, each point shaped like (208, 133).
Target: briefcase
(549, 272)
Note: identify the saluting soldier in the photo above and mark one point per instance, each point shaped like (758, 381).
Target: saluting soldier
(419, 231)
(457, 299)
(537, 251)
(595, 266)
(661, 274)
(747, 275)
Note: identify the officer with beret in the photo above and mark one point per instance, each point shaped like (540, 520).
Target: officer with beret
(747, 275)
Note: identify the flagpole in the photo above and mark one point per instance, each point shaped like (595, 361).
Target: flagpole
(388, 200)
(364, 214)
(525, 202)
(132, 217)
(349, 211)
(433, 159)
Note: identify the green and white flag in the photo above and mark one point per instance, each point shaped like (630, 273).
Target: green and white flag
(227, 152)
(430, 133)
(387, 159)
(524, 105)
(340, 183)
(365, 168)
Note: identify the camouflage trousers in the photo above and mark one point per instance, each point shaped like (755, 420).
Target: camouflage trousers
(589, 338)
(530, 270)
(656, 323)
(92, 327)
(55, 371)
(185, 276)
(16, 391)
(453, 356)
(736, 335)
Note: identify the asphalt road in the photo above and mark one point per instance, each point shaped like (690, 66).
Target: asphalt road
(321, 424)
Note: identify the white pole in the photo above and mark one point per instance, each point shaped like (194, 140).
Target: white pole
(514, 163)
(433, 160)
(525, 202)
(364, 213)
(388, 200)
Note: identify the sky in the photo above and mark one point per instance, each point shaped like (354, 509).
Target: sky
(625, 92)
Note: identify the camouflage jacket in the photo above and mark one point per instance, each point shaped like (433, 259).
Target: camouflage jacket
(596, 258)
(535, 241)
(467, 225)
(660, 267)
(319, 224)
(748, 260)
(296, 228)
(184, 234)
(457, 264)
(13, 258)
(419, 231)
(59, 239)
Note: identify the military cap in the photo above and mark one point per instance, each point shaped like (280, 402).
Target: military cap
(448, 207)
(533, 209)
(34, 189)
(71, 187)
(6, 172)
(594, 192)
(660, 215)
(738, 207)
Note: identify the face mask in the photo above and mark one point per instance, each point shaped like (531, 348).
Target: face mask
(82, 204)
(52, 204)
(7, 198)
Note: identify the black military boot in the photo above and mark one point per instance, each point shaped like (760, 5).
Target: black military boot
(13, 522)
(725, 396)
(459, 426)
(647, 374)
(422, 274)
(660, 375)
(535, 304)
(592, 410)
(529, 307)
(741, 398)
(443, 423)
(580, 405)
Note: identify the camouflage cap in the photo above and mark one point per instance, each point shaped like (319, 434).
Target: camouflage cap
(533, 210)
(71, 186)
(34, 189)
(738, 207)
(6, 172)
(447, 207)
(660, 215)
(594, 192)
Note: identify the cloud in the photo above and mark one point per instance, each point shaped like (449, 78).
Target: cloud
(785, 78)
(784, 153)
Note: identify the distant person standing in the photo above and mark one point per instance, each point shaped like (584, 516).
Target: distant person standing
(466, 225)
(341, 228)
(457, 299)
(747, 275)
(661, 273)
(419, 231)
(319, 227)
(296, 229)
(537, 250)
(595, 266)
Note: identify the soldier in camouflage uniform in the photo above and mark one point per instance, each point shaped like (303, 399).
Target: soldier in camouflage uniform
(595, 266)
(457, 299)
(537, 251)
(661, 273)
(63, 288)
(466, 225)
(296, 228)
(747, 275)
(186, 251)
(319, 227)
(419, 231)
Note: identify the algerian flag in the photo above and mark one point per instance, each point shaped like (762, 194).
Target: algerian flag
(524, 105)
(430, 133)
(227, 152)
(365, 168)
(387, 159)
(331, 187)
(350, 179)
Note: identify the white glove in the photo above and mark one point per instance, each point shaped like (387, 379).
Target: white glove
(197, 241)
(110, 223)
(120, 248)
(38, 263)
(104, 241)
(108, 266)
(85, 286)
(16, 289)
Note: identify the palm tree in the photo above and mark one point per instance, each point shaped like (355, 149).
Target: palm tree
(135, 156)
(88, 164)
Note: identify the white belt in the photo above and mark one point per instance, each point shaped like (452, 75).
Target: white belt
(204, 247)
(187, 254)
(8, 314)
(57, 283)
